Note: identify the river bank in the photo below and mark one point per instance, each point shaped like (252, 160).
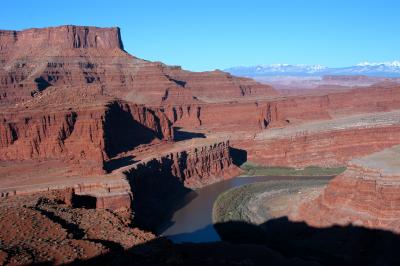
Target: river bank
(258, 202)
(193, 222)
(253, 169)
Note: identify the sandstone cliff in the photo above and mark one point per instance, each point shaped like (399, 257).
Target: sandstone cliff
(35, 59)
(83, 136)
(366, 194)
(284, 111)
(170, 177)
(193, 167)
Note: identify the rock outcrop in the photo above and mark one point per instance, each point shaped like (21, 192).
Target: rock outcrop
(193, 167)
(170, 178)
(65, 37)
(72, 97)
(284, 111)
(326, 142)
(86, 137)
(47, 228)
(332, 148)
(366, 194)
(36, 59)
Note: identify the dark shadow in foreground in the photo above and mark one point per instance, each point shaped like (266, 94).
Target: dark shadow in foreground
(276, 242)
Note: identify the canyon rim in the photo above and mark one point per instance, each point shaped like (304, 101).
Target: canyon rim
(101, 152)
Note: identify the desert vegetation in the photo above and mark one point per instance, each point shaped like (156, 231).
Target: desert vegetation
(252, 169)
(245, 202)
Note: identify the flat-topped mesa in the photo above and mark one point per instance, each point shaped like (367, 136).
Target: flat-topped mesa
(66, 37)
(366, 194)
(34, 60)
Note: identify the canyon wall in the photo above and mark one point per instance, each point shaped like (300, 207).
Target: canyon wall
(73, 95)
(85, 137)
(193, 167)
(35, 59)
(331, 148)
(284, 111)
(65, 37)
(141, 186)
(219, 86)
(161, 185)
(366, 194)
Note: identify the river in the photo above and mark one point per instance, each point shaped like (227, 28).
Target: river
(193, 222)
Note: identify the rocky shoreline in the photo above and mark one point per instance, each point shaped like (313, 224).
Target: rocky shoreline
(259, 202)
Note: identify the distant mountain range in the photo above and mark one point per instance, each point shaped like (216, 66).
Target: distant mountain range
(384, 69)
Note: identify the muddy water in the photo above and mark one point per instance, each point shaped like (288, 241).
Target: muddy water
(193, 222)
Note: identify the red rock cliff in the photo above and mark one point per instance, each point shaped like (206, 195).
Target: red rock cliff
(366, 194)
(83, 136)
(193, 167)
(66, 37)
(167, 178)
(35, 59)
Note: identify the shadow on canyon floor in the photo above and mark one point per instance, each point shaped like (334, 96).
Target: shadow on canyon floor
(336, 245)
(276, 242)
(239, 156)
(117, 163)
(180, 134)
(155, 204)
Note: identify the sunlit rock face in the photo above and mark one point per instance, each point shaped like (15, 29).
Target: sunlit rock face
(366, 194)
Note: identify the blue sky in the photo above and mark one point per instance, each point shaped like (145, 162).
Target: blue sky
(211, 34)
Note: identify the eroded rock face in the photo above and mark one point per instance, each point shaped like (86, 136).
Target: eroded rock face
(35, 59)
(284, 111)
(217, 86)
(64, 37)
(170, 178)
(83, 136)
(366, 194)
(328, 148)
(71, 94)
(192, 167)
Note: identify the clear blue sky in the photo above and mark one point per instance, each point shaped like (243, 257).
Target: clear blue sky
(210, 34)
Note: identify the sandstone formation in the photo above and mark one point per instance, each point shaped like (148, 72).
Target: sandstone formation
(72, 93)
(253, 115)
(193, 167)
(166, 177)
(35, 59)
(325, 143)
(72, 96)
(44, 228)
(83, 136)
(91, 133)
(366, 194)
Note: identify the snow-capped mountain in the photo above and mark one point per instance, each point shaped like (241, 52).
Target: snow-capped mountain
(383, 69)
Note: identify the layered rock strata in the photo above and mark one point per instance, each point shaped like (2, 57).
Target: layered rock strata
(85, 137)
(171, 177)
(166, 177)
(261, 113)
(366, 194)
(193, 167)
(34, 60)
(325, 143)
